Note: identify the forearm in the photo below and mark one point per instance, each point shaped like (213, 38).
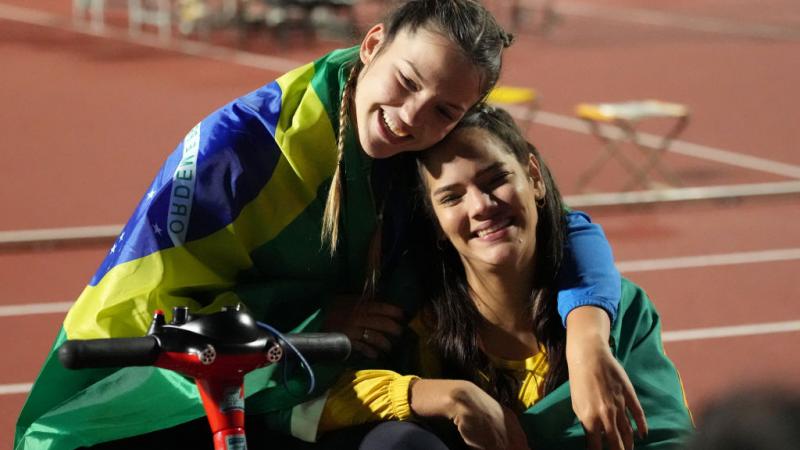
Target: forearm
(588, 330)
(436, 398)
(481, 421)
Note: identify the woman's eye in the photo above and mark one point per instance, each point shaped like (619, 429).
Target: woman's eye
(499, 179)
(408, 83)
(447, 200)
(446, 114)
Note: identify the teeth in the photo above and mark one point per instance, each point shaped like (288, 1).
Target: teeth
(494, 228)
(392, 127)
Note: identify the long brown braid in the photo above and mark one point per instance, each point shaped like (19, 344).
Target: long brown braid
(330, 218)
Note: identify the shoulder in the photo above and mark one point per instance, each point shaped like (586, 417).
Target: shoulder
(633, 295)
(637, 318)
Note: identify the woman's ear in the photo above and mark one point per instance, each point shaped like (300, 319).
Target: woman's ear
(372, 43)
(536, 175)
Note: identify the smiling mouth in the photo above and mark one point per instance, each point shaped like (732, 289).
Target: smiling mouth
(391, 128)
(494, 228)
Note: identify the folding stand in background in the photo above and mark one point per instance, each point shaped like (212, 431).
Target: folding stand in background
(538, 16)
(624, 118)
(309, 17)
(140, 12)
(524, 99)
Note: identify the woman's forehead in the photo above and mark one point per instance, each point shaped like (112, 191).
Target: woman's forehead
(471, 142)
(468, 144)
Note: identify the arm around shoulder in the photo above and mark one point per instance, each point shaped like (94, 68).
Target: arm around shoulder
(588, 276)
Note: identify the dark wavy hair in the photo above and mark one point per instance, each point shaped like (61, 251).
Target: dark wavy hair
(454, 317)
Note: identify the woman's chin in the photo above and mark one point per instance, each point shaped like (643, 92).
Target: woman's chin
(499, 260)
(379, 149)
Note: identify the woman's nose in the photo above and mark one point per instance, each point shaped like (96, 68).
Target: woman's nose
(410, 113)
(413, 110)
(481, 203)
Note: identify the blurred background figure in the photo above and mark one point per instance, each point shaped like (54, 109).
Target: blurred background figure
(759, 418)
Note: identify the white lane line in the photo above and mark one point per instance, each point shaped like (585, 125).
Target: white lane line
(724, 156)
(666, 195)
(35, 308)
(678, 146)
(18, 388)
(726, 259)
(30, 16)
(58, 234)
(731, 331)
(706, 24)
(180, 45)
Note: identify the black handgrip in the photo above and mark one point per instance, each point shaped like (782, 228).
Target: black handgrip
(116, 352)
(321, 347)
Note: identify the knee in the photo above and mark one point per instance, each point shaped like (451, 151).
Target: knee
(401, 436)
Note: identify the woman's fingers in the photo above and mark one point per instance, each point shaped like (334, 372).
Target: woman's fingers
(370, 325)
(370, 343)
(614, 428)
(381, 324)
(364, 349)
(618, 432)
(375, 325)
(383, 309)
(375, 332)
(633, 405)
(612, 433)
(602, 396)
(625, 429)
(594, 436)
(376, 340)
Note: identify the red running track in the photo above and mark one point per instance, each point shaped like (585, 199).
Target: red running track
(86, 121)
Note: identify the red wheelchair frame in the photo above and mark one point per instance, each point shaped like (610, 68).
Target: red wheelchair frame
(217, 350)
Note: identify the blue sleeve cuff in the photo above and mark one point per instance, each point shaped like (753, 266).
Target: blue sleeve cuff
(570, 299)
(588, 275)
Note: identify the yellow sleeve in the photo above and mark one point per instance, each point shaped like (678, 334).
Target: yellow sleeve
(365, 396)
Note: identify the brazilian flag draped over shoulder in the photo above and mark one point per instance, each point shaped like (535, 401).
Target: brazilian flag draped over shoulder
(233, 215)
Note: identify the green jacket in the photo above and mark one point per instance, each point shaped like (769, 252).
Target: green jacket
(636, 342)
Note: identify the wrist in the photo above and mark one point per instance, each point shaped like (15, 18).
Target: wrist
(584, 341)
(588, 334)
(587, 351)
(437, 398)
(399, 391)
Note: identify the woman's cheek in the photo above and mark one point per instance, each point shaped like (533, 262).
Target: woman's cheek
(390, 90)
(446, 219)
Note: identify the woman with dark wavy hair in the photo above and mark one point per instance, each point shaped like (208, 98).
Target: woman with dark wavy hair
(491, 345)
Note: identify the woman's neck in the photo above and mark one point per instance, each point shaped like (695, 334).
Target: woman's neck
(503, 300)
